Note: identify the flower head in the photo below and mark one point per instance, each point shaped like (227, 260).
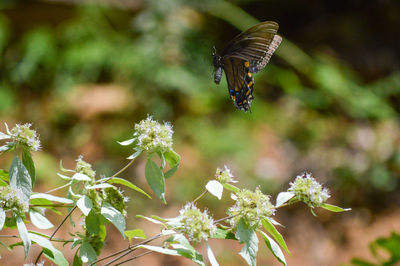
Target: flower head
(12, 199)
(153, 136)
(196, 224)
(251, 206)
(84, 167)
(308, 190)
(116, 198)
(224, 176)
(23, 135)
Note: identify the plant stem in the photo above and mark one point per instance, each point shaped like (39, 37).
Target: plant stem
(135, 257)
(120, 171)
(55, 231)
(225, 218)
(60, 187)
(126, 251)
(199, 197)
(51, 205)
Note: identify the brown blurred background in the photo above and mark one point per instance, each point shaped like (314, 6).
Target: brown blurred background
(328, 102)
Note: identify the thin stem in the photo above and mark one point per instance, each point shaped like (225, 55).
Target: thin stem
(60, 187)
(55, 231)
(120, 171)
(225, 218)
(201, 195)
(9, 236)
(135, 257)
(126, 251)
(51, 205)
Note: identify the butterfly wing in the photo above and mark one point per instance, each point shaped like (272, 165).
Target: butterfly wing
(255, 45)
(240, 81)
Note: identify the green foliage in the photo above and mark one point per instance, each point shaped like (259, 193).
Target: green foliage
(389, 244)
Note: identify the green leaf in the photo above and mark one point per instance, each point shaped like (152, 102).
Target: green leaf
(39, 220)
(51, 198)
(126, 142)
(275, 234)
(114, 216)
(23, 233)
(124, 182)
(4, 245)
(104, 185)
(135, 154)
(4, 136)
(28, 162)
(57, 256)
(77, 260)
(249, 237)
(211, 257)
(224, 234)
(283, 197)
(150, 219)
(4, 148)
(85, 205)
(20, 178)
(87, 253)
(274, 247)
(170, 172)
(4, 175)
(136, 233)
(165, 251)
(231, 188)
(172, 158)
(3, 183)
(92, 222)
(2, 218)
(81, 177)
(334, 208)
(215, 188)
(155, 179)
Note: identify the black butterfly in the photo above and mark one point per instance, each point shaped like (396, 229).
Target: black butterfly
(247, 53)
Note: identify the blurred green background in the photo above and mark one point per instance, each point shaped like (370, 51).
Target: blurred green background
(328, 102)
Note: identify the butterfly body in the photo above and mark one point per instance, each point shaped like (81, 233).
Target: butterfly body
(247, 53)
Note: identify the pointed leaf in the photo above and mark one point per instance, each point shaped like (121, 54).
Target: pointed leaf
(58, 258)
(28, 162)
(81, 177)
(126, 142)
(2, 218)
(334, 208)
(114, 216)
(283, 197)
(4, 148)
(172, 158)
(136, 233)
(23, 233)
(211, 256)
(155, 179)
(275, 234)
(87, 253)
(20, 178)
(215, 188)
(135, 154)
(51, 198)
(274, 247)
(103, 185)
(4, 136)
(231, 188)
(249, 237)
(124, 182)
(165, 251)
(85, 205)
(92, 223)
(40, 221)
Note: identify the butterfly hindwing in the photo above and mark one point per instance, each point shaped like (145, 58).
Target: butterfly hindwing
(240, 82)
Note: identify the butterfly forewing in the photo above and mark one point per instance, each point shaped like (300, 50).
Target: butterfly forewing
(247, 53)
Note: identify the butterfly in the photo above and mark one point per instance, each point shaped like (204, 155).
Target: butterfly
(247, 53)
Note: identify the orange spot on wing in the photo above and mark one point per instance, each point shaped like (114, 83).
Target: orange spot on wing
(246, 64)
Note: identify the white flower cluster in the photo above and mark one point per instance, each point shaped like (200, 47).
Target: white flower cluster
(22, 134)
(250, 206)
(195, 224)
(153, 136)
(224, 176)
(308, 190)
(11, 199)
